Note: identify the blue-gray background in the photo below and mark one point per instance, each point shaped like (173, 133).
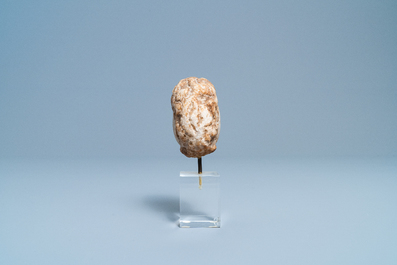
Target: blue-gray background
(307, 152)
(94, 78)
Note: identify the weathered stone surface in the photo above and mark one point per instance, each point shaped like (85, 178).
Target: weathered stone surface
(196, 119)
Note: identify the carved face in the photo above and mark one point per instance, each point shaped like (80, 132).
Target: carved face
(196, 120)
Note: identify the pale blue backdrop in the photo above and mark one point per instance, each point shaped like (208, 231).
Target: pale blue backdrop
(94, 78)
(308, 147)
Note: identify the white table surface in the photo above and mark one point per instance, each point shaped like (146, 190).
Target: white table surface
(274, 211)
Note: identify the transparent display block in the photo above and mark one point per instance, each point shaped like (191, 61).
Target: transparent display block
(199, 200)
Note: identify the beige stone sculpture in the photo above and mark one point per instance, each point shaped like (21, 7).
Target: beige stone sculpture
(196, 120)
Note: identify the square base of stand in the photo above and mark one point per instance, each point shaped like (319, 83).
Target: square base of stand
(199, 200)
(196, 221)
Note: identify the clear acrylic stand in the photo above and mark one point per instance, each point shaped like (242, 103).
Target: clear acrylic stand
(199, 200)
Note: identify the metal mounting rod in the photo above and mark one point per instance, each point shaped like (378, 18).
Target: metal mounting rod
(200, 170)
(200, 166)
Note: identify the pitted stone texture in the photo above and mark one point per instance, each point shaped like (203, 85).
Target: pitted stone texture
(196, 119)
